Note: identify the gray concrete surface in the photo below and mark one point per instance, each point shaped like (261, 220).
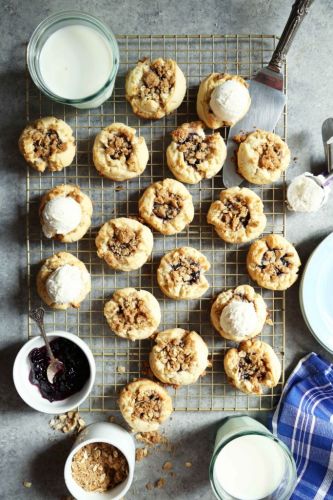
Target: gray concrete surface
(29, 449)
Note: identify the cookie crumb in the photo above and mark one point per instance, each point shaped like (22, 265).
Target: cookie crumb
(151, 438)
(149, 486)
(160, 483)
(112, 419)
(188, 465)
(121, 369)
(119, 188)
(167, 466)
(67, 422)
(27, 484)
(140, 454)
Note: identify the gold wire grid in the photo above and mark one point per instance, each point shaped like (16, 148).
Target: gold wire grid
(119, 361)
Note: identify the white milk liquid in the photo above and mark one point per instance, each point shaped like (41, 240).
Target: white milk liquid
(250, 467)
(75, 62)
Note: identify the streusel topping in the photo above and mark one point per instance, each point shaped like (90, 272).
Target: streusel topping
(186, 271)
(251, 366)
(270, 155)
(147, 405)
(158, 81)
(167, 205)
(195, 147)
(124, 242)
(131, 312)
(235, 213)
(276, 261)
(47, 143)
(119, 147)
(176, 355)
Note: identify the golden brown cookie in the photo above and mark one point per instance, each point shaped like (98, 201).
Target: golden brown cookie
(262, 157)
(63, 281)
(238, 216)
(155, 88)
(178, 357)
(239, 314)
(118, 153)
(240, 100)
(145, 405)
(252, 366)
(65, 213)
(124, 244)
(193, 155)
(133, 314)
(180, 274)
(47, 143)
(273, 262)
(167, 206)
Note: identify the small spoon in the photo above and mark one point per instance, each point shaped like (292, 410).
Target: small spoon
(55, 365)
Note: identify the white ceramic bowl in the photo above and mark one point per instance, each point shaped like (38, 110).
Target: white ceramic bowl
(30, 393)
(102, 432)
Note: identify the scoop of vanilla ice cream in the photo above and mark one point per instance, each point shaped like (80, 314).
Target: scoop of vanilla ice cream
(304, 194)
(230, 101)
(65, 284)
(60, 216)
(239, 318)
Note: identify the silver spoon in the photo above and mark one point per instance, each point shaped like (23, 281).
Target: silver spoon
(55, 365)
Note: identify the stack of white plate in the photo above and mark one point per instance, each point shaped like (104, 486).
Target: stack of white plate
(316, 293)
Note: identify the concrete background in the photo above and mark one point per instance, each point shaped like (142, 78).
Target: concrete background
(29, 449)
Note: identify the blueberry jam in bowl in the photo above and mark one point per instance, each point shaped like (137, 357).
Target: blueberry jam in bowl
(70, 387)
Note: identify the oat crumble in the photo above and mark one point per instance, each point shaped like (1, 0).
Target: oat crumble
(147, 406)
(99, 467)
(195, 147)
(251, 366)
(131, 312)
(185, 270)
(176, 355)
(67, 422)
(158, 81)
(167, 205)
(123, 243)
(235, 213)
(48, 143)
(119, 147)
(275, 262)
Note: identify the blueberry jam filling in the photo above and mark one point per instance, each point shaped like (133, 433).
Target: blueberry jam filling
(67, 382)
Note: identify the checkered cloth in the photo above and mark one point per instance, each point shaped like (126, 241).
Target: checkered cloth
(303, 420)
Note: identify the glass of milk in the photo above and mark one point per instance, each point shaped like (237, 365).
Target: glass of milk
(249, 463)
(73, 58)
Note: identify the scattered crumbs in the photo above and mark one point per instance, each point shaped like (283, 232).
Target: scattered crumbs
(140, 454)
(167, 466)
(119, 188)
(188, 465)
(151, 438)
(173, 474)
(27, 484)
(160, 483)
(121, 369)
(149, 486)
(112, 419)
(239, 138)
(295, 158)
(67, 422)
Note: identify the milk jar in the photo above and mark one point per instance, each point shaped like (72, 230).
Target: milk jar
(73, 58)
(249, 463)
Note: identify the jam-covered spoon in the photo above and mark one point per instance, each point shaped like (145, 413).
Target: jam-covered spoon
(55, 365)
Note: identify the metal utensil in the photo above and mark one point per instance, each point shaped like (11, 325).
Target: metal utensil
(55, 365)
(266, 90)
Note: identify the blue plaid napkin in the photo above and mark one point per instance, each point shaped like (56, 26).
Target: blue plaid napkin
(303, 420)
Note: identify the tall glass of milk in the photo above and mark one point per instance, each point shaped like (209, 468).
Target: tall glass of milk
(249, 463)
(73, 58)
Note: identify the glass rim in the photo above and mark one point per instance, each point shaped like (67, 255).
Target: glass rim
(238, 434)
(54, 19)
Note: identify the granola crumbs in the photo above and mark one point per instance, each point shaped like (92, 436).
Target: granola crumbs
(67, 422)
(27, 484)
(270, 155)
(188, 465)
(121, 369)
(167, 205)
(167, 466)
(195, 147)
(160, 483)
(112, 419)
(235, 213)
(148, 406)
(176, 355)
(123, 243)
(132, 311)
(158, 80)
(152, 438)
(140, 454)
(186, 271)
(99, 467)
(119, 147)
(48, 143)
(251, 366)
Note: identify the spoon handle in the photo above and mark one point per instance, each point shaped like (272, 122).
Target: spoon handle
(38, 316)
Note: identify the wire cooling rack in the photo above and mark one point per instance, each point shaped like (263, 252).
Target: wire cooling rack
(119, 361)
